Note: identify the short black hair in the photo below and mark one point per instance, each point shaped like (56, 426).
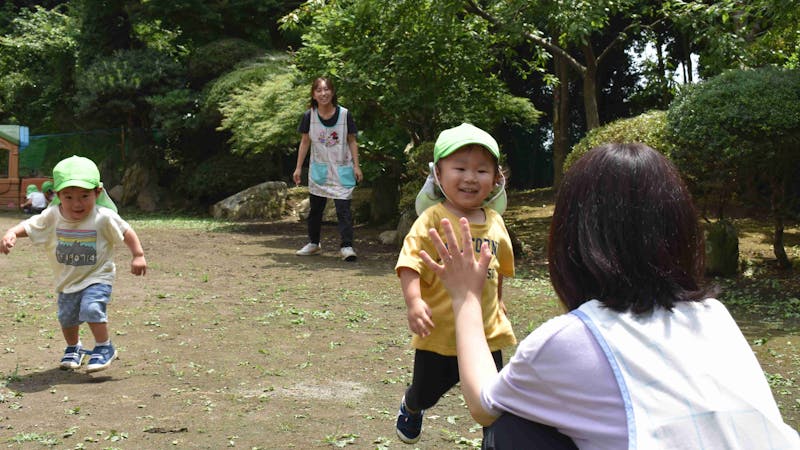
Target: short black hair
(625, 232)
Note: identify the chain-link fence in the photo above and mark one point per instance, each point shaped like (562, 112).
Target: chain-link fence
(107, 147)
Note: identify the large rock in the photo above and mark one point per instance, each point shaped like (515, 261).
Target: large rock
(328, 215)
(135, 179)
(360, 205)
(263, 201)
(148, 199)
(407, 219)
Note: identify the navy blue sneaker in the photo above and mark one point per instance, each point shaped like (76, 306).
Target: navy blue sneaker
(73, 357)
(102, 355)
(409, 425)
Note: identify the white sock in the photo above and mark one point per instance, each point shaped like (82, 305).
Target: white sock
(97, 344)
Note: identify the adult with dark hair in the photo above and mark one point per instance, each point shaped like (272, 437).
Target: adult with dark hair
(645, 358)
(329, 131)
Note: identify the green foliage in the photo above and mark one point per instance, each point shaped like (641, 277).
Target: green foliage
(37, 59)
(416, 65)
(263, 118)
(105, 28)
(175, 112)
(732, 33)
(741, 125)
(215, 58)
(203, 21)
(415, 172)
(224, 174)
(648, 128)
(118, 86)
(739, 133)
(247, 73)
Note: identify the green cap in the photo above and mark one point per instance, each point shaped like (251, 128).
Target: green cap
(80, 172)
(452, 139)
(47, 186)
(31, 188)
(76, 171)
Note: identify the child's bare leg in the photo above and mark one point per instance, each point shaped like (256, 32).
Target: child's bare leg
(71, 334)
(99, 331)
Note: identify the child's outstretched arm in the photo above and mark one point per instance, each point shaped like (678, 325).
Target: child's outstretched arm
(138, 263)
(10, 238)
(419, 313)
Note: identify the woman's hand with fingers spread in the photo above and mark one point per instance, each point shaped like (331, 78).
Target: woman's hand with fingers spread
(460, 273)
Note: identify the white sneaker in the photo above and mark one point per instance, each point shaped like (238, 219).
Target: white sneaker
(348, 254)
(309, 249)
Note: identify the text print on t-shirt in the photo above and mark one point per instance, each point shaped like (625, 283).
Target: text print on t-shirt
(76, 247)
(477, 242)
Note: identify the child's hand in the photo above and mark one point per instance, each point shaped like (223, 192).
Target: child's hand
(9, 239)
(138, 265)
(419, 318)
(502, 306)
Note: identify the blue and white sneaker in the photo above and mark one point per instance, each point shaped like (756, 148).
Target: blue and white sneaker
(409, 425)
(73, 357)
(102, 355)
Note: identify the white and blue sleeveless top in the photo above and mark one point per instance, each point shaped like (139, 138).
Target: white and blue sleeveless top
(331, 164)
(688, 378)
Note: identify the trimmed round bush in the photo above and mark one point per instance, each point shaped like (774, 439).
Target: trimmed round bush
(648, 128)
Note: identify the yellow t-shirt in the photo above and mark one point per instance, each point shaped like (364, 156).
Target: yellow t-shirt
(496, 325)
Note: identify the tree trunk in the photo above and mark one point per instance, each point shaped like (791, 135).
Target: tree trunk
(777, 239)
(590, 89)
(688, 69)
(777, 244)
(662, 72)
(560, 119)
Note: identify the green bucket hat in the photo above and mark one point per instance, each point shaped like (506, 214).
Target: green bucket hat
(47, 186)
(77, 171)
(448, 142)
(453, 139)
(30, 189)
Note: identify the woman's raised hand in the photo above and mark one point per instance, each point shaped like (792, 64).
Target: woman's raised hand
(460, 273)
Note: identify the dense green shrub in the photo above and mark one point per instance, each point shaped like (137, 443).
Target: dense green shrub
(251, 72)
(648, 128)
(225, 174)
(218, 57)
(263, 118)
(739, 134)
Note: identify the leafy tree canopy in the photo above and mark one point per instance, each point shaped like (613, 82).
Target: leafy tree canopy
(420, 65)
(37, 57)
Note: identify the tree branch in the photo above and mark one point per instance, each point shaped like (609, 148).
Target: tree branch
(622, 36)
(473, 7)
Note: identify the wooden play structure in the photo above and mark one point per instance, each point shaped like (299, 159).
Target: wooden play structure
(13, 139)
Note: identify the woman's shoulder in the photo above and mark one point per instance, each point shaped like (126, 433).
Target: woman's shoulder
(566, 331)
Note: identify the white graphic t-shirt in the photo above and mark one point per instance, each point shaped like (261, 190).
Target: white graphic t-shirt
(81, 253)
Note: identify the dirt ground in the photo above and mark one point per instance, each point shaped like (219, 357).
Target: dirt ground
(232, 341)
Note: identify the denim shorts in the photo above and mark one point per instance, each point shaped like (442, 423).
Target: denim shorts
(88, 305)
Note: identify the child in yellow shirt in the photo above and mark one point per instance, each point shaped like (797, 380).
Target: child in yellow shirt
(466, 181)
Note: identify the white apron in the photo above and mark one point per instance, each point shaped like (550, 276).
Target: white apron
(330, 171)
(689, 379)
